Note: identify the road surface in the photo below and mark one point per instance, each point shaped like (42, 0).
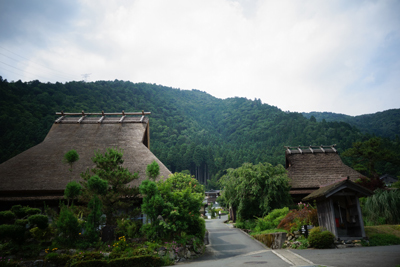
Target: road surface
(231, 247)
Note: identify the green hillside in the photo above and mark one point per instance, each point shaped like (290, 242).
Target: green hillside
(385, 123)
(190, 130)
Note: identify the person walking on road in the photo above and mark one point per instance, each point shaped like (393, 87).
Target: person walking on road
(219, 213)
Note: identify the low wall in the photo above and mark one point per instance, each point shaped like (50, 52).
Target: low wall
(273, 241)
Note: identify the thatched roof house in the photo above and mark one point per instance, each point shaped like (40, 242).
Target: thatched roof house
(313, 166)
(38, 173)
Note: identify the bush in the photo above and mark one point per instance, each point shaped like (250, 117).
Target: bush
(320, 239)
(128, 228)
(41, 221)
(296, 218)
(21, 222)
(272, 220)
(248, 224)
(42, 234)
(13, 232)
(68, 227)
(57, 259)
(382, 240)
(6, 217)
(383, 207)
(137, 261)
(21, 212)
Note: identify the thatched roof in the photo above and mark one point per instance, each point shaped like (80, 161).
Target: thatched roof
(310, 167)
(39, 171)
(343, 184)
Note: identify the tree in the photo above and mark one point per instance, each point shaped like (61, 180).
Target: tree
(72, 191)
(255, 190)
(153, 170)
(365, 155)
(173, 207)
(110, 183)
(70, 158)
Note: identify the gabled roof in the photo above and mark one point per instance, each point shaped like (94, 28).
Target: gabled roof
(313, 166)
(39, 171)
(343, 184)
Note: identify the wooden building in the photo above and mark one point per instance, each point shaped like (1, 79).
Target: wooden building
(38, 174)
(212, 195)
(339, 209)
(310, 167)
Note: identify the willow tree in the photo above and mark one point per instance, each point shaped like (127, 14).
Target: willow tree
(255, 190)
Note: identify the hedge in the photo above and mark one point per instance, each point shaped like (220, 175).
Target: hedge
(137, 261)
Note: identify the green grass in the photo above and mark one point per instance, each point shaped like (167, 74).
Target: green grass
(382, 235)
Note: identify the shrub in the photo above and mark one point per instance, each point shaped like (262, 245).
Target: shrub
(382, 240)
(153, 170)
(129, 228)
(320, 238)
(21, 222)
(296, 218)
(383, 207)
(272, 220)
(13, 232)
(18, 211)
(42, 234)
(72, 190)
(6, 217)
(172, 206)
(68, 227)
(247, 224)
(137, 261)
(41, 221)
(21, 212)
(57, 259)
(31, 211)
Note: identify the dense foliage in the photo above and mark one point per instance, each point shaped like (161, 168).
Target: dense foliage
(190, 130)
(255, 190)
(385, 123)
(320, 238)
(382, 208)
(108, 181)
(173, 207)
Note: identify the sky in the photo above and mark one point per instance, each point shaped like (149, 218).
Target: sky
(301, 56)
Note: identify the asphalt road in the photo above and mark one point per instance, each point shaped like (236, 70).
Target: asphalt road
(231, 247)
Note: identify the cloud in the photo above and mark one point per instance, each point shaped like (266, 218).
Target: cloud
(297, 55)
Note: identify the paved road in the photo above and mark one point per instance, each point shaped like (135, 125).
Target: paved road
(385, 256)
(231, 247)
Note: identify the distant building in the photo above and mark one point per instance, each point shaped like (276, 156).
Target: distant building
(388, 179)
(38, 174)
(310, 167)
(212, 195)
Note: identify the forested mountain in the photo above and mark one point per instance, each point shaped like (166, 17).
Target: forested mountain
(190, 130)
(385, 123)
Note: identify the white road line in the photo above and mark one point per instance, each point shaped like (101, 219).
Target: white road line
(283, 258)
(304, 259)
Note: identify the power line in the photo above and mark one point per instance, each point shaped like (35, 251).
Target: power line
(35, 75)
(64, 77)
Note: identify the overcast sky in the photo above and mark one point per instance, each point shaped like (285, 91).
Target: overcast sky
(336, 56)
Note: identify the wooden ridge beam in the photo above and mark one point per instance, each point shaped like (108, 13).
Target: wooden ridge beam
(103, 114)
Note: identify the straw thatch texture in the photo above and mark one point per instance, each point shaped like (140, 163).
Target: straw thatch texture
(39, 171)
(310, 170)
(342, 184)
